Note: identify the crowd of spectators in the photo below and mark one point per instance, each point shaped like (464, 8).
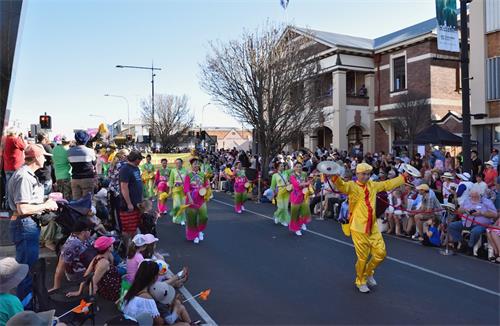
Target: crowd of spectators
(446, 206)
(107, 241)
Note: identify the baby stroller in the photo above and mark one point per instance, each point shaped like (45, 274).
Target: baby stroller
(68, 213)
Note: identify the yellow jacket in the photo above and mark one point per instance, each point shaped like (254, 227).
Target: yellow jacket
(362, 198)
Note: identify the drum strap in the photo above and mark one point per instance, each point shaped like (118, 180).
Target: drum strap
(284, 181)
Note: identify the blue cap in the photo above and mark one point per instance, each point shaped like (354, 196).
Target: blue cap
(81, 137)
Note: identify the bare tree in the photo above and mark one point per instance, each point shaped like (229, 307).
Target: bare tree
(265, 79)
(173, 119)
(413, 111)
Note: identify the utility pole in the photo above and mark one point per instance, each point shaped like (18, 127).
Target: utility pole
(464, 58)
(152, 68)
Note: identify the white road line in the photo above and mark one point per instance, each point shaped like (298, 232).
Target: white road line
(402, 262)
(196, 306)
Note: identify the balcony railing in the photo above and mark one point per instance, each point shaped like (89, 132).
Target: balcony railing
(357, 100)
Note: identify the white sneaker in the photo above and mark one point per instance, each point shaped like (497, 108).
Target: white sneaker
(491, 253)
(201, 235)
(239, 212)
(415, 236)
(298, 233)
(196, 240)
(243, 208)
(284, 224)
(183, 223)
(304, 227)
(275, 220)
(363, 288)
(371, 281)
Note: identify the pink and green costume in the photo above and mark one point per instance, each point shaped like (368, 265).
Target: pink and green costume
(279, 182)
(162, 174)
(176, 184)
(197, 216)
(240, 192)
(300, 213)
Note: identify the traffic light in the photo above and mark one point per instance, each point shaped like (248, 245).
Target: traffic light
(45, 121)
(30, 135)
(129, 137)
(203, 134)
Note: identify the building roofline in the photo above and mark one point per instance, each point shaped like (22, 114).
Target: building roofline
(424, 29)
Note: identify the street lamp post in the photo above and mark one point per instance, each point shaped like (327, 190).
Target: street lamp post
(128, 107)
(203, 113)
(152, 68)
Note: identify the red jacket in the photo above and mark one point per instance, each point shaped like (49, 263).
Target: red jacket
(489, 177)
(13, 153)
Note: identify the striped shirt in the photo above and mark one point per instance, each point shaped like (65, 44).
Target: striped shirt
(82, 160)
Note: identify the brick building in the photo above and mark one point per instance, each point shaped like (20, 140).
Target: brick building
(415, 67)
(364, 79)
(484, 22)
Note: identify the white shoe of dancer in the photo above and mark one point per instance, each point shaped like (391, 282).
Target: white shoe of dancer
(183, 223)
(243, 208)
(304, 227)
(284, 224)
(201, 235)
(298, 233)
(239, 212)
(371, 281)
(196, 240)
(275, 220)
(363, 288)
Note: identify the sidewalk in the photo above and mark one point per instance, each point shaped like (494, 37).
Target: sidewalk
(10, 251)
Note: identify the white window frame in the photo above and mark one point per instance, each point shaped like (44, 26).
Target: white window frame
(493, 79)
(391, 66)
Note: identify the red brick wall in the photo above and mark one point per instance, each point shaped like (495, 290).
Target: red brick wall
(494, 109)
(493, 40)
(381, 138)
(452, 125)
(442, 110)
(428, 78)
(418, 74)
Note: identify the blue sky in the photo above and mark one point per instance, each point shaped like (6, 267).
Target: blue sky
(69, 48)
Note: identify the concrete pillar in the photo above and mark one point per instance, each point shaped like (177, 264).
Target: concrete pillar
(370, 86)
(339, 112)
(390, 133)
(307, 141)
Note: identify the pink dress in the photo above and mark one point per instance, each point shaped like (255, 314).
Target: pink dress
(297, 196)
(133, 266)
(193, 187)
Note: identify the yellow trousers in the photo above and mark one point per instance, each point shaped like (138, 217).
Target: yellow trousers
(366, 245)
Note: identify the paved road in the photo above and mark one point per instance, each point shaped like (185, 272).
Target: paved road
(259, 274)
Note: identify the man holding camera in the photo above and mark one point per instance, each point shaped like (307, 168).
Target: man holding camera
(480, 211)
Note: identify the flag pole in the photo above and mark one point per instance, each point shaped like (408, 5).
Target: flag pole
(193, 297)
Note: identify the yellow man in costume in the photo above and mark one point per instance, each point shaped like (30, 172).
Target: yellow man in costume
(362, 225)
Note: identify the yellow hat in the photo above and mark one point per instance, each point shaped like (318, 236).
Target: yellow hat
(363, 167)
(423, 187)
